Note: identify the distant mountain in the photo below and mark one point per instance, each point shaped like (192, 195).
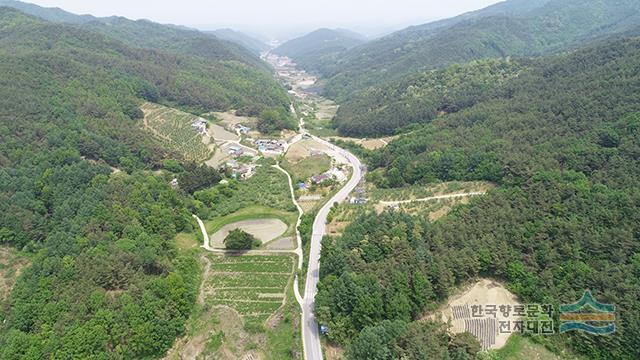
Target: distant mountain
(48, 13)
(147, 34)
(255, 45)
(513, 27)
(323, 46)
(217, 80)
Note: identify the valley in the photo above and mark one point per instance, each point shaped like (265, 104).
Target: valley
(461, 189)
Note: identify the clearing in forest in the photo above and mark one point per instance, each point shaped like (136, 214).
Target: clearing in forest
(11, 265)
(484, 325)
(175, 130)
(433, 201)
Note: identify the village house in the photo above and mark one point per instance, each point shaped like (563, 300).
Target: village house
(200, 126)
(270, 146)
(235, 151)
(241, 129)
(319, 179)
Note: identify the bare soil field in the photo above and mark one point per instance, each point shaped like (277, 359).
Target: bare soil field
(484, 292)
(284, 243)
(219, 133)
(264, 230)
(230, 118)
(304, 149)
(369, 144)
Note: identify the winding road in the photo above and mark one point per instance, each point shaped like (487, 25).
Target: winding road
(310, 330)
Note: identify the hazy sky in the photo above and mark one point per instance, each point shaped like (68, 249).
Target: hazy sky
(277, 17)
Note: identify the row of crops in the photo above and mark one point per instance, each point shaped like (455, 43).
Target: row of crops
(254, 286)
(173, 128)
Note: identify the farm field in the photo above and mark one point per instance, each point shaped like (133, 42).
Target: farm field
(264, 230)
(303, 149)
(369, 144)
(254, 286)
(432, 209)
(484, 292)
(219, 133)
(245, 308)
(173, 128)
(255, 212)
(422, 191)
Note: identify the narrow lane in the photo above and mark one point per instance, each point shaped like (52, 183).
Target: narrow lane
(310, 330)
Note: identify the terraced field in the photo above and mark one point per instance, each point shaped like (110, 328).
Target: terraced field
(254, 286)
(173, 128)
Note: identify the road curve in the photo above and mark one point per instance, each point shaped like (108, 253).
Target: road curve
(310, 330)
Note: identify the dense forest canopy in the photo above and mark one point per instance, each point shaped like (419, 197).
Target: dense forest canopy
(77, 193)
(512, 27)
(201, 72)
(563, 142)
(422, 97)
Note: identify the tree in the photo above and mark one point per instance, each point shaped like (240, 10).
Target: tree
(240, 240)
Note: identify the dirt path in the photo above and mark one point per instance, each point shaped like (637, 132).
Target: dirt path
(439, 197)
(205, 275)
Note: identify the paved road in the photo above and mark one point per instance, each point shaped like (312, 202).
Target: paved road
(310, 331)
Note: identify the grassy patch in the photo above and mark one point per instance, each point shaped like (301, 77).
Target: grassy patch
(523, 348)
(269, 187)
(187, 241)
(306, 168)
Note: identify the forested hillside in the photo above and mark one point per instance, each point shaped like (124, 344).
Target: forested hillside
(314, 51)
(77, 193)
(514, 27)
(562, 140)
(421, 98)
(228, 77)
(255, 45)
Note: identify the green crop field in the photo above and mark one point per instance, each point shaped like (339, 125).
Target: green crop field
(254, 286)
(271, 185)
(173, 128)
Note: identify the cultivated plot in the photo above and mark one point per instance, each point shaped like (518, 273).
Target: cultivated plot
(174, 129)
(254, 286)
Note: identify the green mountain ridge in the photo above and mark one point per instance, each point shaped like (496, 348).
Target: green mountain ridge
(255, 45)
(562, 142)
(323, 46)
(510, 28)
